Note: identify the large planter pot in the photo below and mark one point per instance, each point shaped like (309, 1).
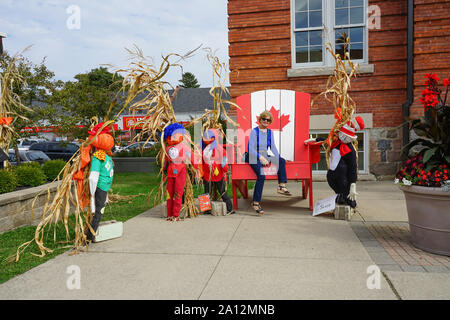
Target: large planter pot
(429, 218)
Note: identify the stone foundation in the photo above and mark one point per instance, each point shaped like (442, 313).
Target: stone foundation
(385, 152)
(15, 207)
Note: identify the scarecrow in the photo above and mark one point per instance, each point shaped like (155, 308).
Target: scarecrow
(100, 175)
(175, 157)
(343, 169)
(215, 166)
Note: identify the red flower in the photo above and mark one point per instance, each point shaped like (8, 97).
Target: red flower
(432, 78)
(446, 82)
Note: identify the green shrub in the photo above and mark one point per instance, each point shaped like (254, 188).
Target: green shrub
(32, 164)
(52, 168)
(8, 181)
(30, 175)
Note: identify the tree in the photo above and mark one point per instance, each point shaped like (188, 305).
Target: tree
(90, 95)
(188, 80)
(35, 92)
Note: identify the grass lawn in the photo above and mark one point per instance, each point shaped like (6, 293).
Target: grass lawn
(125, 184)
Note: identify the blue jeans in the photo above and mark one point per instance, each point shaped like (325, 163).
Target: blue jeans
(257, 192)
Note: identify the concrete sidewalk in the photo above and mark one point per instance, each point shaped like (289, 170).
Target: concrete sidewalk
(285, 254)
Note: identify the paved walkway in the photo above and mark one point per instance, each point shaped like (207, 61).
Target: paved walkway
(285, 254)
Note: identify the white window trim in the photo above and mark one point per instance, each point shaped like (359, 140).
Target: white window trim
(366, 151)
(327, 64)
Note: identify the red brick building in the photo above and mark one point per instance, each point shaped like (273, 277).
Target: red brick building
(280, 44)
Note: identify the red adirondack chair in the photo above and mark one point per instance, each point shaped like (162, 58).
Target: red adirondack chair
(290, 111)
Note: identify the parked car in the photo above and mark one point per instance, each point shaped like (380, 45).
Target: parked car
(25, 143)
(27, 156)
(56, 150)
(139, 145)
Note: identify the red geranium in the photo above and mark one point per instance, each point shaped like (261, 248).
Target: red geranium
(429, 168)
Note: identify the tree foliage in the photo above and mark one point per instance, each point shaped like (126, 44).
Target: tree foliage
(188, 80)
(89, 95)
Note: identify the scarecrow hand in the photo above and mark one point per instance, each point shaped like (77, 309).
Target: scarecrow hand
(93, 204)
(352, 194)
(310, 140)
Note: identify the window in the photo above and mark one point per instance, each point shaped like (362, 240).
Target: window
(363, 158)
(308, 31)
(12, 157)
(55, 147)
(71, 148)
(315, 23)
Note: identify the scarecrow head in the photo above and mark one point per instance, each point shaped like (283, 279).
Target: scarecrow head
(210, 137)
(347, 133)
(104, 140)
(174, 133)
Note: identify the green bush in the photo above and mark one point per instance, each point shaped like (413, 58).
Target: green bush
(52, 168)
(8, 181)
(32, 164)
(29, 175)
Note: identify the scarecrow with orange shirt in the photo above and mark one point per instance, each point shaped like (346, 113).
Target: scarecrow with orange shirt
(100, 174)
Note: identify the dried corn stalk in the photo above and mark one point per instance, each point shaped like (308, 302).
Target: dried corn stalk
(10, 103)
(211, 118)
(338, 85)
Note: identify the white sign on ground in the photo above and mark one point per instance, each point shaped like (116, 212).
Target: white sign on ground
(324, 205)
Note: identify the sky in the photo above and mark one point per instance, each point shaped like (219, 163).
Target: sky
(76, 36)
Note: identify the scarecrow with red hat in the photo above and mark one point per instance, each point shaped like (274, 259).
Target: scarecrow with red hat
(343, 169)
(175, 157)
(100, 175)
(215, 166)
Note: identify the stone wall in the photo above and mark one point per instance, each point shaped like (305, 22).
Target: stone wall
(15, 207)
(385, 151)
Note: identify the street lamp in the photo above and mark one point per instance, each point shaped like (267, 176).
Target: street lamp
(2, 35)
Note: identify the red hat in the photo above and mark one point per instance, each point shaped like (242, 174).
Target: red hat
(359, 125)
(94, 130)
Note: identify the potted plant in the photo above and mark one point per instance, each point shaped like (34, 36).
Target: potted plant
(424, 179)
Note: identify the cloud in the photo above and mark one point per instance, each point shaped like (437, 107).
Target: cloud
(157, 27)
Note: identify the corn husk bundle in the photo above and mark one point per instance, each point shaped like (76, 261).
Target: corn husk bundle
(337, 92)
(10, 103)
(155, 102)
(211, 118)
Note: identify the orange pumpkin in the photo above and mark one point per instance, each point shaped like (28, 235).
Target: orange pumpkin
(103, 141)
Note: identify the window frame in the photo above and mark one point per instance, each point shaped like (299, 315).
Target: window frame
(365, 152)
(328, 30)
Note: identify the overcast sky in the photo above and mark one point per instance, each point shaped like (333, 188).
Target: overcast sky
(158, 27)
